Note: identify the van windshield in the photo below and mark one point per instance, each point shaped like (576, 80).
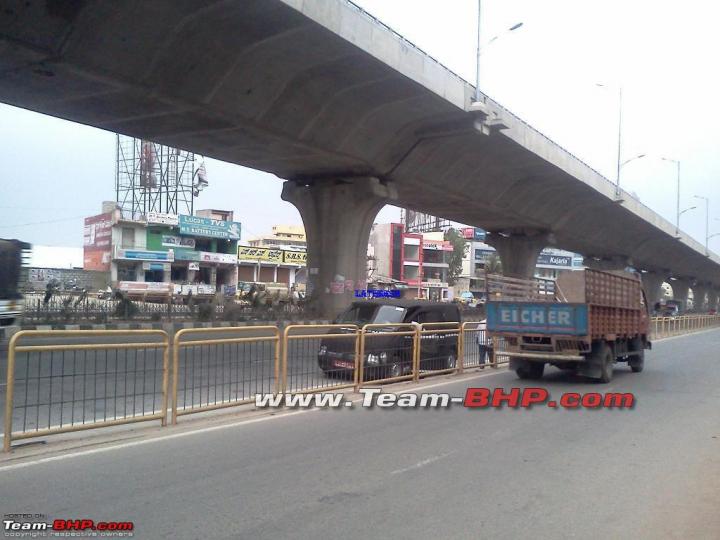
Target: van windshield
(372, 313)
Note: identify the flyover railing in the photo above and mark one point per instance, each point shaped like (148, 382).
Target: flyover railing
(662, 327)
(319, 357)
(214, 368)
(70, 380)
(62, 381)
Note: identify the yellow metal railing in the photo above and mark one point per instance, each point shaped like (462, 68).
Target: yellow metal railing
(243, 354)
(56, 364)
(43, 377)
(300, 370)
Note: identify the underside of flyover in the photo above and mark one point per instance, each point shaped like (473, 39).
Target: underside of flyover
(318, 92)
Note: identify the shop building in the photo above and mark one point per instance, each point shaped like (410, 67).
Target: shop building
(165, 253)
(279, 258)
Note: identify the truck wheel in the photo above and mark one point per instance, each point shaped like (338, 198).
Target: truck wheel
(530, 370)
(637, 362)
(605, 357)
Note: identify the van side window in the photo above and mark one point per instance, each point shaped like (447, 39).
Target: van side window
(433, 316)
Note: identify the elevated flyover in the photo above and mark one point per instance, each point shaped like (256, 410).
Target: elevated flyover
(348, 112)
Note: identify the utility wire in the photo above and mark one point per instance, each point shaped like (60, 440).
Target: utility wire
(40, 222)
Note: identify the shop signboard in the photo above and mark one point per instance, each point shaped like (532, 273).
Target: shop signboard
(145, 287)
(165, 267)
(168, 240)
(162, 219)
(186, 255)
(483, 254)
(437, 245)
(212, 228)
(549, 259)
(143, 255)
(194, 289)
(260, 254)
(222, 258)
(295, 257)
(193, 266)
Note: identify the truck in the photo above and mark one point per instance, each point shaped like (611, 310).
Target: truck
(12, 254)
(584, 321)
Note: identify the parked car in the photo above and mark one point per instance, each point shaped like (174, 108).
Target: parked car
(392, 355)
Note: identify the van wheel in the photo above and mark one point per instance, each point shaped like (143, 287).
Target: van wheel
(637, 361)
(605, 357)
(530, 370)
(395, 369)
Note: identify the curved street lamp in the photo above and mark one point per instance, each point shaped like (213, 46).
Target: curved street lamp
(481, 45)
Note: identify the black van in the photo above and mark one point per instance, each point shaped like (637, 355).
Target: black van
(392, 356)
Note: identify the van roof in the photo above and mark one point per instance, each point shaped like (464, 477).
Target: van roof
(405, 303)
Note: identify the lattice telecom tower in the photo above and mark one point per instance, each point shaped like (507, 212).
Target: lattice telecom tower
(151, 177)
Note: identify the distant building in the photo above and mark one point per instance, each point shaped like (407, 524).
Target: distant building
(549, 263)
(414, 262)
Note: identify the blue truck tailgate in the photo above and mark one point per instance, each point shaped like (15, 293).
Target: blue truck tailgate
(538, 318)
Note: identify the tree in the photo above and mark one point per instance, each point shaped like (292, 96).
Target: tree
(493, 264)
(460, 248)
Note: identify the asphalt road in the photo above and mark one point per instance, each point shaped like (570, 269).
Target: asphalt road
(650, 472)
(62, 388)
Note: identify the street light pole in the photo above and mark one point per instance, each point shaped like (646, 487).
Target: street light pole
(619, 149)
(677, 211)
(477, 67)
(619, 140)
(480, 46)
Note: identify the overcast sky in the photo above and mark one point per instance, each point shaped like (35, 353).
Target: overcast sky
(662, 53)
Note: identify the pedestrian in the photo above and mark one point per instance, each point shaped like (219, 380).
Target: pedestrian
(484, 343)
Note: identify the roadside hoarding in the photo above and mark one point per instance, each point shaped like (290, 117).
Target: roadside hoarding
(211, 228)
(97, 242)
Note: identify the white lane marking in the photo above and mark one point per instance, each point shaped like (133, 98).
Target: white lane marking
(423, 463)
(212, 428)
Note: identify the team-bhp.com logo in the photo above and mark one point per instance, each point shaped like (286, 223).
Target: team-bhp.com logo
(37, 526)
(475, 398)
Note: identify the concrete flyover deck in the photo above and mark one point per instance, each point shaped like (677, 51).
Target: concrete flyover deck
(313, 91)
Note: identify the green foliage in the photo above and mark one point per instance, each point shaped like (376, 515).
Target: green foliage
(206, 312)
(126, 309)
(493, 265)
(460, 248)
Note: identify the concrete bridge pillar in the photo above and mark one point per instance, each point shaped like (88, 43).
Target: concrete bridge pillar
(680, 289)
(337, 215)
(712, 298)
(700, 291)
(652, 285)
(518, 251)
